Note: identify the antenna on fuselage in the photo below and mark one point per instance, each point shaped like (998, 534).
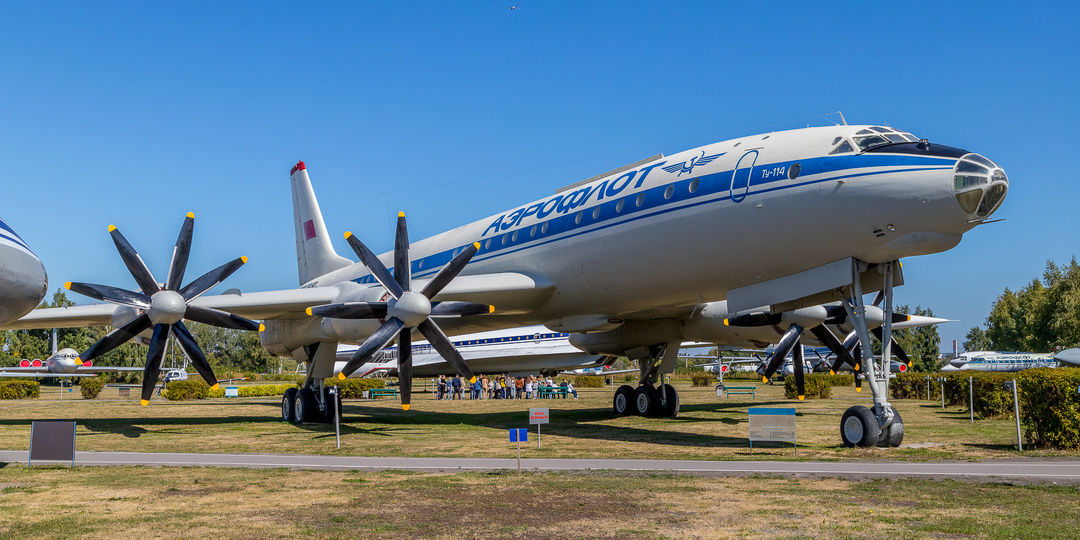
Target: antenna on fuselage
(842, 119)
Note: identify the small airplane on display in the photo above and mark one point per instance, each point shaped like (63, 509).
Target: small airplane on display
(61, 363)
(1011, 361)
(23, 282)
(605, 261)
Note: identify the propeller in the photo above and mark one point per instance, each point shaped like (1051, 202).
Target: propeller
(406, 311)
(163, 307)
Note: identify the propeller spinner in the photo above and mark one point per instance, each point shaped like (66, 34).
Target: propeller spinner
(163, 307)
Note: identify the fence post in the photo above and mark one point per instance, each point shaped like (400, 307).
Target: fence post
(971, 400)
(942, 380)
(1016, 410)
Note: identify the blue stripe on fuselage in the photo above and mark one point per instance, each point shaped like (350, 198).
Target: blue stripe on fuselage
(656, 204)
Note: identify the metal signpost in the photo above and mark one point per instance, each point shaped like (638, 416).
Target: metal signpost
(52, 441)
(971, 399)
(538, 416)
(772, 424)
(1011, 385)
(520, 435)
(942, 381)
(337, 417)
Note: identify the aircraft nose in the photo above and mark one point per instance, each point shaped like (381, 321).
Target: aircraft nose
(979, 185)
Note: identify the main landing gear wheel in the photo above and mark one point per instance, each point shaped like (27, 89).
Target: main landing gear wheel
(287, 405)
(893, 435)
(624, 396)
(859, 427)
(305, 407)
(671, 401)
(646, 400)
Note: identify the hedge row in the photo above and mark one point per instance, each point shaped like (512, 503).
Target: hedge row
(817, 386)
(254, 391)
(90, 387)
(354, 388)
(991, 398)
(588, 381)
(703, 380)
(187, 390)
(19, 389)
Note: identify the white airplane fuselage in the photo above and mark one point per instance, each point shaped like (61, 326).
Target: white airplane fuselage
(1002, 361)
(23, 282)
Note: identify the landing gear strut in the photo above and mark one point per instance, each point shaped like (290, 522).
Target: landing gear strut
(880, 425)
(648, 399)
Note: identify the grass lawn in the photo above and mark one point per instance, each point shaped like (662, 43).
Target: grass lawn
(708, 427)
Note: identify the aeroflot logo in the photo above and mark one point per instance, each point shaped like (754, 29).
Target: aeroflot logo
(565, 202)
(688, 166)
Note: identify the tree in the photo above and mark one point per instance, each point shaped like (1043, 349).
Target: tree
(977, 340)
(1040, 317)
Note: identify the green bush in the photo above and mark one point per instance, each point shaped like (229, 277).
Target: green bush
(817, 385)
(90, 387)
(701, 379)
(187, 390)
(254, 391)
(19, 389)
(991, 397)
(589, 381)
(837, 379)
(354, 388)
(1050, 407)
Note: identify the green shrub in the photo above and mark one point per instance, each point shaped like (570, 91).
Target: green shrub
(187, 390)
(817, 386)
(839, 379)
(1050, 407)
(254, 391)
(589, 381)
(354, 388)
(90, 387)
(702, 379)
(19, 389)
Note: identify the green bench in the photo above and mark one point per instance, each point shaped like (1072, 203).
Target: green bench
(752, 390)
(552, 391)
(381, 392)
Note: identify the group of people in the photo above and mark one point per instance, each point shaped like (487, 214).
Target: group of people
(501, 387)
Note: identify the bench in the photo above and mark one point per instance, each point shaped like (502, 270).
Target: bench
(380, 392)
(752, 390)
(552, 391)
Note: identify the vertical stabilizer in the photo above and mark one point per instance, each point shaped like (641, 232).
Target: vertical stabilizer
(315, 256)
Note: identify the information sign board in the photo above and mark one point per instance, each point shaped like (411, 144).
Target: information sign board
(538, 416)
(519, 435)
(772, 424)
(232, 391)
(52, 441)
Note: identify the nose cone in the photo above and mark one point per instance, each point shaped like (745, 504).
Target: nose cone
(980, 186)
(23, 282)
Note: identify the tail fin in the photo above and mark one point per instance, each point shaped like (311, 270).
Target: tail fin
(315, 256)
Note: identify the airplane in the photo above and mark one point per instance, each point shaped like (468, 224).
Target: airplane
(605, 260)
(513, 351)
(23, 281)
(61, 363)
(1009, 361)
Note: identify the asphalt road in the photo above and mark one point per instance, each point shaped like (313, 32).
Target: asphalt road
(1023, 470)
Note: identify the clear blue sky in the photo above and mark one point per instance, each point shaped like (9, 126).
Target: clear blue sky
(134, 113)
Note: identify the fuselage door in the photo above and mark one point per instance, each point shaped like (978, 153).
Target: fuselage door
(740, 180)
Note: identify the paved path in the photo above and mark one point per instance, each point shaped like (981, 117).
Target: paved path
(1033, 470)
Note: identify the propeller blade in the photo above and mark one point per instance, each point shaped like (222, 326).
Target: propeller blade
(194, 352)
(826, 337)
(402, 272)
(220, 318)
(377, 268)
(857, 353)
(790, 338)
(117, 337)
(374, 343)
(878, 299)
(459, 309)
(210, 279)
(404, 363)
(797, 363)
(350, 310)
(445, 348)
(134, 263)
(152, 369)
(896, 348)
(836, 314)
(180, 254)
(112, 295)
(450, 271)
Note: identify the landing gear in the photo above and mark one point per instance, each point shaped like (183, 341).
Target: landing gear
(670, 398)
(859, 427)
(893, 434)
(623, 397)
(287, 405)
(646, 401)
(305, 407)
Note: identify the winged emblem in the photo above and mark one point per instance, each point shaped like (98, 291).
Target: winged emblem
(688, 166)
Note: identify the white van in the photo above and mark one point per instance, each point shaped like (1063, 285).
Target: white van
(175, 375)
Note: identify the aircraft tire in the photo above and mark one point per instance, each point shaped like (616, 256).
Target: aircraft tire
(624, 399)
(305, 407)
(328, 413)
(671, 404)
(859, 427)
(894, 434)
(646, 401)
(287, 404)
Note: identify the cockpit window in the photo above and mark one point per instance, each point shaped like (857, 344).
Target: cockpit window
(870, 140)
(844, 148)
(865, 132)
(836, 140)
(881, 130)
(980, 185)
(896, 137)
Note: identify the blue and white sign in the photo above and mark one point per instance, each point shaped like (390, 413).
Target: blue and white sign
(519, 435)
(232, 391)
(772, 424)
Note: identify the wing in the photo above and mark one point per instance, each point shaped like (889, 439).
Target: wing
(675, 168)
(10, 373)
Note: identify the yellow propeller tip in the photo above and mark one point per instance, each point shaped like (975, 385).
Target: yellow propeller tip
(764, 379)
(243, 259)
(856, 367)
(191, 215)
(491, 309)
(347, 234)
(404, 407)
(67, 285)
(725, 322)
(308, 311)
(144, 402)
(802, 398)
(476, 245)
(112, 228)
(401, 214)
(473, 380)
(858, 389)
(262, 327)
(215, 387)
(341, 375)
(831, 372)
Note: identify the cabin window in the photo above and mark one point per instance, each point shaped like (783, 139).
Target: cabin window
(596, 212)
(669, 192)
(577, 218)
(640, 200)
(619, 205)
(694, 185)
